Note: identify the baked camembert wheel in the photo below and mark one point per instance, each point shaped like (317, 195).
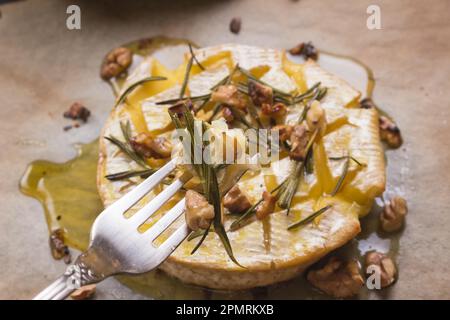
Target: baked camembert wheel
(331, 164)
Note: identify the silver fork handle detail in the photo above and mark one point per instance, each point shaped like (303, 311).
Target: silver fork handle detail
(76, 276)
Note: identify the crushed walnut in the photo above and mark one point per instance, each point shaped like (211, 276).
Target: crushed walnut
(150, 147)
(199, 213)
(299, 141)
(77, 111)
(116, 62)
(390, 133)
(337, 278)
(235, 25)
(267, 206)
(84, 292)
(236, 201)
(274, 110)
(367, 103)
(181, 106)
(393, 215)
(227, 114)
(284, 131)
(58, 248)
(229, 95)
(316, 119)
(305, 49)
(259, 93)
(383, 265)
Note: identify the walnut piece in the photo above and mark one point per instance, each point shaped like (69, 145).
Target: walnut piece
(229, 95)
(83, 293)
(149, 147)
(116, 62)
(337, 278)
(306, 49)
(235, 25)
(58, 248)
(260, 93)
(393, 216)
(267, 206)
(236, 201)
(181, 106)
(284, 131)
(316, 118)
(299, 142)
(199, 213)
(77, 111)
(390, 133)
(274, 110)
(227, 114)
(383, 265)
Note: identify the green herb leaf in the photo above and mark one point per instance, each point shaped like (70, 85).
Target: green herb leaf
(342, 177)
(309, 218)
(239, 222)
(133, 86)
(128, 150)
(129, 174)
(195, 58)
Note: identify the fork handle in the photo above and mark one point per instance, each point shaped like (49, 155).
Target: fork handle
(58, 290)
(77, 275)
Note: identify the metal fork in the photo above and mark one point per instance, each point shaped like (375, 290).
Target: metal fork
(117, 247)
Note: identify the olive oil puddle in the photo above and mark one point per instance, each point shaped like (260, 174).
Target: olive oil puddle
(68, 194)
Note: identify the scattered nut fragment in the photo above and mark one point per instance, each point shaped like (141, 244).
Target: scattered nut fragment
(390, 133)
(150, 147)
(181, 106)
(235, 25)
(77, 111)
(229, 95)
(367, 103)
(274, 110)
(116, 62)
(83, 293)
(393, 216)
(57, 246)
(337, 278)
(227, 114)
(260, 93)
(299, 142)
(316, 118)
(267, 206)
(383, 265)
(236, 201)
(199, 213)
(284, 131)
(307, 50)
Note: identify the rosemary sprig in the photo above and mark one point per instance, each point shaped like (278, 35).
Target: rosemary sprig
(276, 91)
(309, 218)
(359, 163)
(207, 174)
(191, 61)
(286, 194)
(125, 148)
(344, 171)
(133, 86)
(176, 100)
(195, 58)
(251, 211)
(186, 77)
(129, 174)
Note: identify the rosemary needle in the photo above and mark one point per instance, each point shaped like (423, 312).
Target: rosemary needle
(309, 218)
(130, 89)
